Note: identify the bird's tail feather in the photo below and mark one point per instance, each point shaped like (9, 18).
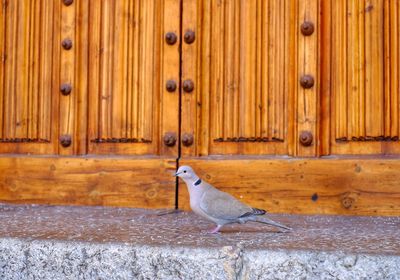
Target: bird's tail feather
(267, 221)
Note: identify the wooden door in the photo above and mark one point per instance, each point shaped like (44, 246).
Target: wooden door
(289, 97)
(83, 88)
(291, 105)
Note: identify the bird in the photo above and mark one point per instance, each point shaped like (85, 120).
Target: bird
(217, 206)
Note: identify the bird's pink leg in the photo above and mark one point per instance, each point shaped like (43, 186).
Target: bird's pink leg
(216, 230)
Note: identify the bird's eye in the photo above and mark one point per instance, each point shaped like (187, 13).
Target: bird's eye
(184, 171)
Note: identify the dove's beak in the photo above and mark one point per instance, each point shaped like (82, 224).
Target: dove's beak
(176, 174)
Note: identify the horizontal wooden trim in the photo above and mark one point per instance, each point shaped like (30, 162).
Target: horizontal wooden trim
(369, 138)
(23, 140)
(120, 140)
(248, 139)
(334, 185)
(110, 181)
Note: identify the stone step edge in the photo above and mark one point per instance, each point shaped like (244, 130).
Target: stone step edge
(62, 259)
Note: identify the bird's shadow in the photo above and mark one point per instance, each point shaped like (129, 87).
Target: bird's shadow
(250, 230)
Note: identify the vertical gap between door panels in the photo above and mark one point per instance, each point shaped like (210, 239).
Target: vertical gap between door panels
(180, 101)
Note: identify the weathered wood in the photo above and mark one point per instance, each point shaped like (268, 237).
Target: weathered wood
(351, 186)
(118, 181)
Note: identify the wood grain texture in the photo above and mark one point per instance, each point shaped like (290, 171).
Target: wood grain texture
(359, 186)
(308, 64)
(169, 115)
(82, 74)
(325, 112)
(107, 181)
(365, 110)
(126, 93)
(67, 109)
(240, 64)
(73, 71)
(27, 74)
(190, 68)
(246, 62)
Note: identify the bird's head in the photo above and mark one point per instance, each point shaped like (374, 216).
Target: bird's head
(186, 173)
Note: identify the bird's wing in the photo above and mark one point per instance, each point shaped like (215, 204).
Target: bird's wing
(221, 205)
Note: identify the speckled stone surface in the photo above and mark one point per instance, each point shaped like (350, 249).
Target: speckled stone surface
(47, 242)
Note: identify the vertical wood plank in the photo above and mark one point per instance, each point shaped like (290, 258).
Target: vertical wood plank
(50, 74)
(237, 67)
(124, 9)
(265, 62)
(229, 54)
(204, 120)
(81, 79)
(281, 98)
(131, 25)
(117, 71)
(339, 75)
(217, 74)
(33, 110)
(272, 74)
(308, 65)
(153, 105)
(374, 76)
(325, 80)
(394, 66)
(141, 61)
(106, 66)
(353, 62)
(10, 68)
(136, 56)
(361, 66)
(190, 69)
(22, 74)
(149, 74)
(170, 70)
(386, 68)
(67, 109)
(3, 23)
(248, 62)
(258, 71)
(95, 53)
(291, 72)
(53, 100)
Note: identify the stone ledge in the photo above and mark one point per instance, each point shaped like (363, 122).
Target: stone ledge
(39, 242)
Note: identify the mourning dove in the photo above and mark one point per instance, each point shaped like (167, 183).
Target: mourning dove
(217, 206)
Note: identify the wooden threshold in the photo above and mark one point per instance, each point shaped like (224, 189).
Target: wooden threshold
(334, 185)
(108, 181)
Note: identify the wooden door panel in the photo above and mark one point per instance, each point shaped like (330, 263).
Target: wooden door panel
(242, 67)
(126, 92)
(365, 74)
(28, 74)
(116, 67)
